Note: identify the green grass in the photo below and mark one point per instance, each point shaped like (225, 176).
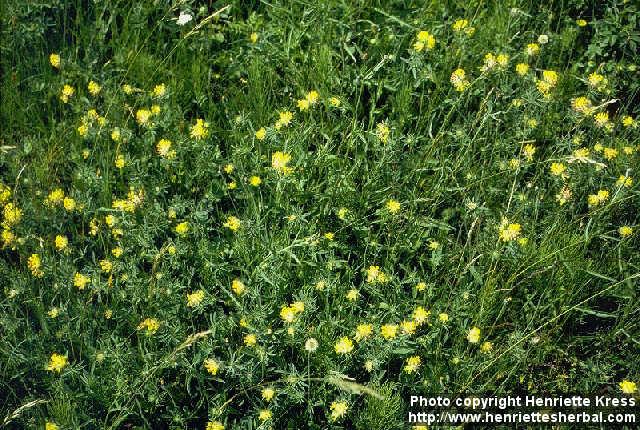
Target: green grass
(559, 310)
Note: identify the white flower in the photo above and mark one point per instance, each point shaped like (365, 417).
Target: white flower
(543, 39)
(311, 345)
(183, 18)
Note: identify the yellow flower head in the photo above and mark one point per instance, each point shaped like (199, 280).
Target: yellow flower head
(412, 364)
(34, 263)
(150, 324)
(363, 331)
(338, 410)
(261, 133)
(628, 387)
(383, 132)
(54, 59)
(232, 223)
(279, 161)
(344, 345)
(268, 393)
(238, 286)
(215, 425)
(61, 242)
(80, 280)
(389, 331)
(393, 206)
(57, 362)
(143, 116)
(159, 90)
(200, 130)
(182, 228)
(212, 366)
(195, 298)
(474, 335)
(250, 340)
(94, 88)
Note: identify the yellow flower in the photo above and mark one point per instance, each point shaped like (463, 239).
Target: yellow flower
(532, 49)
(344, 345)
(486, 347)
(509, 231)
(265, 415)
(363, 331)
(195, 298)
(421, 286)
(94, 88)
(383, 132)
(459, 25)
(117, 252)
(50, 426)
(597, 80)
(115, 135)
(522, 69)
(255, 181)
(581, 22)
(150, 324)
(279, 161)
(261, 133)
(215, 425)
(420, 315)
(625, 231)
(624, 181)
(67, 92)
(61, 242)
(233, 223)
(374, 274)
(443, 318)
(155, 109)
(474, 335)
(610, 153)
(250, 340)
(596, 199)
(408, 327)
(212, 366)
(389, 331)
(200, 130)
(268, 394)
(459, 80)
(120, 161)
(253, 37)
(425, 40)
(159, 90)
(393, 206)
(582, 105)
(285, 119)
(57, 362)
(287, 313)
(352, 295)
(54, 59)
(34, 263)
(334, 101)
(106, 266)
(69, 204)
(238, 286)
(303, 105)
(163, 147)
(557, 169)
(627, 387)
(182, 228)
(412, 364)
(338, 410)
(142, 116)
(12, 215)
(628, 121)
(80, 280)
(528, 151)
(601, 119)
